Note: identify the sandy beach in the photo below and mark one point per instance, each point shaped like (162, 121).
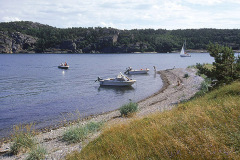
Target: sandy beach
(176, 88)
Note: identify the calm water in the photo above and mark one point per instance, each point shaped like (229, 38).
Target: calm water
(33, 89)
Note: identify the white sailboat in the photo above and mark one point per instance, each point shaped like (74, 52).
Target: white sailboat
(183, 53)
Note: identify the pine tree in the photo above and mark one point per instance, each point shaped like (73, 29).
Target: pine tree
(226, 66)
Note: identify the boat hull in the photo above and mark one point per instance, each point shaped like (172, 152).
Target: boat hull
(184, 55)
(63, 67)
(116, 83)
(144, 71)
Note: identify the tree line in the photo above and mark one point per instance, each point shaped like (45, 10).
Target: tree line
(139, 40)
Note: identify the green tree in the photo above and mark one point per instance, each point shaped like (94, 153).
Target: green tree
(226, 66)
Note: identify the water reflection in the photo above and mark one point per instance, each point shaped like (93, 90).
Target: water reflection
(137, 76)
(155, 74)
(116, 89)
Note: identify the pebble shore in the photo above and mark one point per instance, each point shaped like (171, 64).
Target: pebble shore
(176, 88)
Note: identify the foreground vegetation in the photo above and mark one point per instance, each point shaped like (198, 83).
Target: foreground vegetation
(207, 127)
(128, 109)
(79, 133)
(23, 141)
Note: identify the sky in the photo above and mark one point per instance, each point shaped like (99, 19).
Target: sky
(125, 14)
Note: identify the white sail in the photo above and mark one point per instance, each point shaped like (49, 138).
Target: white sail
(183, 53)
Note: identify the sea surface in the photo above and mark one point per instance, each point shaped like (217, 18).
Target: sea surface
(34, 89)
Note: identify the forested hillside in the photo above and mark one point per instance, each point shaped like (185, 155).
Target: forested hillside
(29, 37)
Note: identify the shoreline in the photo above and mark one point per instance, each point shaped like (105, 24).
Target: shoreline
(59, 125)
(170, 94)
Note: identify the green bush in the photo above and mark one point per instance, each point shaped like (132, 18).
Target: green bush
(126, 109)
(21, 142)
(225, 68)
(204, 87)
(186, 75)
(77, 134)
(37, 153)
(22, 139)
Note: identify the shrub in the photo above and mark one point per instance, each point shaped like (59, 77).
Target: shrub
(204, 87)
(126, 109)
(186, 75)
(22, 139)
(37, 153)
(77, 134)
(226, 67)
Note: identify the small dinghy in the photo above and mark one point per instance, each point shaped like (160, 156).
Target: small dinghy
(120, 80)
(63, 66)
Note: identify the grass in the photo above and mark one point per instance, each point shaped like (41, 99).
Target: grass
(77, 134)
(22, 139)
(208, 66)
(204, 87)
(23, 142)
(37, 153)
(128, 109)
(207, 127)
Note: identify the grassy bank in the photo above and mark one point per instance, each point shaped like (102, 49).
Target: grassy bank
(206, 127)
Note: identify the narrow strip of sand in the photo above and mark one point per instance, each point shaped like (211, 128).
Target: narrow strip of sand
(178, 85)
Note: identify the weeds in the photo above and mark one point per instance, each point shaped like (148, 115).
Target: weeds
(37, 153)
(22, 139)
(77, 134)
(204, 88)
(128, 109)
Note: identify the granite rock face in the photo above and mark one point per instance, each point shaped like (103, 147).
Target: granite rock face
(16, 43)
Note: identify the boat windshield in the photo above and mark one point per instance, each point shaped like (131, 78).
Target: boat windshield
(122, 77)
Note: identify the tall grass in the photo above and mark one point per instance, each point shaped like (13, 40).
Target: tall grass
(37, 153)
(22, 139)
(207, 127)
(77, 134)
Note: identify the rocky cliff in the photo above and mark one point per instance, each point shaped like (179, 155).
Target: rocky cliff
(16, 42)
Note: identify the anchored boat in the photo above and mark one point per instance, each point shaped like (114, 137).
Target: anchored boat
(129, 70)
(120, 80)
(183, 53)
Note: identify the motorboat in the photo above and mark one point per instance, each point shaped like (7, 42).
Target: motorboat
(129, 70)
(120, 80)
(63, 66)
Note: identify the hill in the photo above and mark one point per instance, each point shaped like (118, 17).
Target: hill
(204, 128)
(30, 37)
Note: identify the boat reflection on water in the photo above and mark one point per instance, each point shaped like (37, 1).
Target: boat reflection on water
(116, 89)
